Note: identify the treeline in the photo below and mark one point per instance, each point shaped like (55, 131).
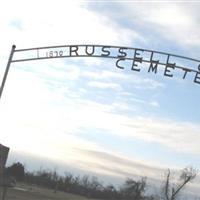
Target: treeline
(82, 185)
(88, 186)
(91, 187)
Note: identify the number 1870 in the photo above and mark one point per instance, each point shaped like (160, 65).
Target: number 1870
(54, 54)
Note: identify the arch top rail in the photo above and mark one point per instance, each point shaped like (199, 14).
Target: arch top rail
(111, 47)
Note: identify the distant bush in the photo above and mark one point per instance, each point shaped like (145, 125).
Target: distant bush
(16, 170)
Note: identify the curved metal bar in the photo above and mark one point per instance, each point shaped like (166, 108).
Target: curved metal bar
(96, 56)
(110, 46)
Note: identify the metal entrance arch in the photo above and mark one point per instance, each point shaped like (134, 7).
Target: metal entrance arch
(124, 57)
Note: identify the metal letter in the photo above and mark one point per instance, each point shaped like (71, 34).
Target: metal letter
(186, 71)
(123, 54)
(136, 59)
(172, 66)
(117, 65)
(153, 68)
(73, 50)
(105, 51)
(86, 50)
(197, 78)
(151, 58)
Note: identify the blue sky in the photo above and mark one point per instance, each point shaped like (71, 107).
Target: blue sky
(84, 113)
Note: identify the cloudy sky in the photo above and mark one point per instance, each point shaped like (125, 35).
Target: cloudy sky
(84, 113)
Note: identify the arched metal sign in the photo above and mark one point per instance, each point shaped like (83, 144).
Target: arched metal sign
(125, 57)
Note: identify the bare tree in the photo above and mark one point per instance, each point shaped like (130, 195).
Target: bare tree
(134, 189)
(55, 178)
(171, 190)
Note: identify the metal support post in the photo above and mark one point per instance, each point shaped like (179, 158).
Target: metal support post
(7, 69)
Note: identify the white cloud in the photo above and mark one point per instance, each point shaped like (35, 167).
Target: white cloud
(31, 103)
(105, 75)
(154, 103)
(158, 24)
(104, 85)
(170, 17)
(138, 82)
(71, 25)
(146, 83)
(115, 164)
(165, 17)
(179, 136)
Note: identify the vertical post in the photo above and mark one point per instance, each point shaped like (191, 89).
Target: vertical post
(3, 179)
(4, 192)
(7, 69)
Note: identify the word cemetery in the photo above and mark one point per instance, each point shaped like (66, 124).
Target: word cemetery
(134, 59)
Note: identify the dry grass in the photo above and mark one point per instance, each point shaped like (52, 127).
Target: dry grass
(27, 192)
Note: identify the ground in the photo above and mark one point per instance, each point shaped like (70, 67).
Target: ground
(25, 192)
